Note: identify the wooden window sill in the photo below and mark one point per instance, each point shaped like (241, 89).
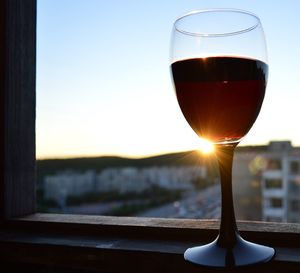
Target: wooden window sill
(128, 244)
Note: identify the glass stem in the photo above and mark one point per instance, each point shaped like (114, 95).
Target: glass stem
(228, 229)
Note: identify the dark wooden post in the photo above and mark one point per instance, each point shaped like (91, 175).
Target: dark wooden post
(17, 107)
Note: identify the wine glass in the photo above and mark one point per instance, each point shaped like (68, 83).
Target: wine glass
(219, 71)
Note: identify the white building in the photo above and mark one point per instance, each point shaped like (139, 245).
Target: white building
(246, 177)
(125, 179)
(281, 184)
(58, 186)
(138, 179)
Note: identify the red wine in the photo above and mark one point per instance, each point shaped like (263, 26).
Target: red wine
(220, 97)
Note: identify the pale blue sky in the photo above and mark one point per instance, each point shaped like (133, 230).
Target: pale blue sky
(103, 83)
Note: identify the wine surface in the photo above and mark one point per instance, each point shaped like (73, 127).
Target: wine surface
(220, 97)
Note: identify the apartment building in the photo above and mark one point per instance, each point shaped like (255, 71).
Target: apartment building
(280, 182)
(123, 179)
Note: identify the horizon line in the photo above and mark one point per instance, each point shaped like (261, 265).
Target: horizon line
(131, 156)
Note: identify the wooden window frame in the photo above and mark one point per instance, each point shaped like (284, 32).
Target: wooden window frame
(34, 241)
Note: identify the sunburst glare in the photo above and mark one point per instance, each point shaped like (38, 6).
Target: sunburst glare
(205, 146)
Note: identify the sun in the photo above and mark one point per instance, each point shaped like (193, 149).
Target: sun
(205, 146)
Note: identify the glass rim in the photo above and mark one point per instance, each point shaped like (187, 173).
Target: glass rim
(199, 34)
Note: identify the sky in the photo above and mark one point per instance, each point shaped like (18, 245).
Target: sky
(103, 80)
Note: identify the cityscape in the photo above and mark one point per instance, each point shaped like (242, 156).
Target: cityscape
(266, 185)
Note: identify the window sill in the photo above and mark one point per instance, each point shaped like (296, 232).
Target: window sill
(128, 244)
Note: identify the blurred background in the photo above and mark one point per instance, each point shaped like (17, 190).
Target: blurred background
(111, 139)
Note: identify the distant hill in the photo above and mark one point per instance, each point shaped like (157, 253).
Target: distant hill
(52, 166)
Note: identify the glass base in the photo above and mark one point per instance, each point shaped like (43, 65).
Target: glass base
(243, 253)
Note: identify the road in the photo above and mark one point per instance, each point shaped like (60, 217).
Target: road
(204, 204)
